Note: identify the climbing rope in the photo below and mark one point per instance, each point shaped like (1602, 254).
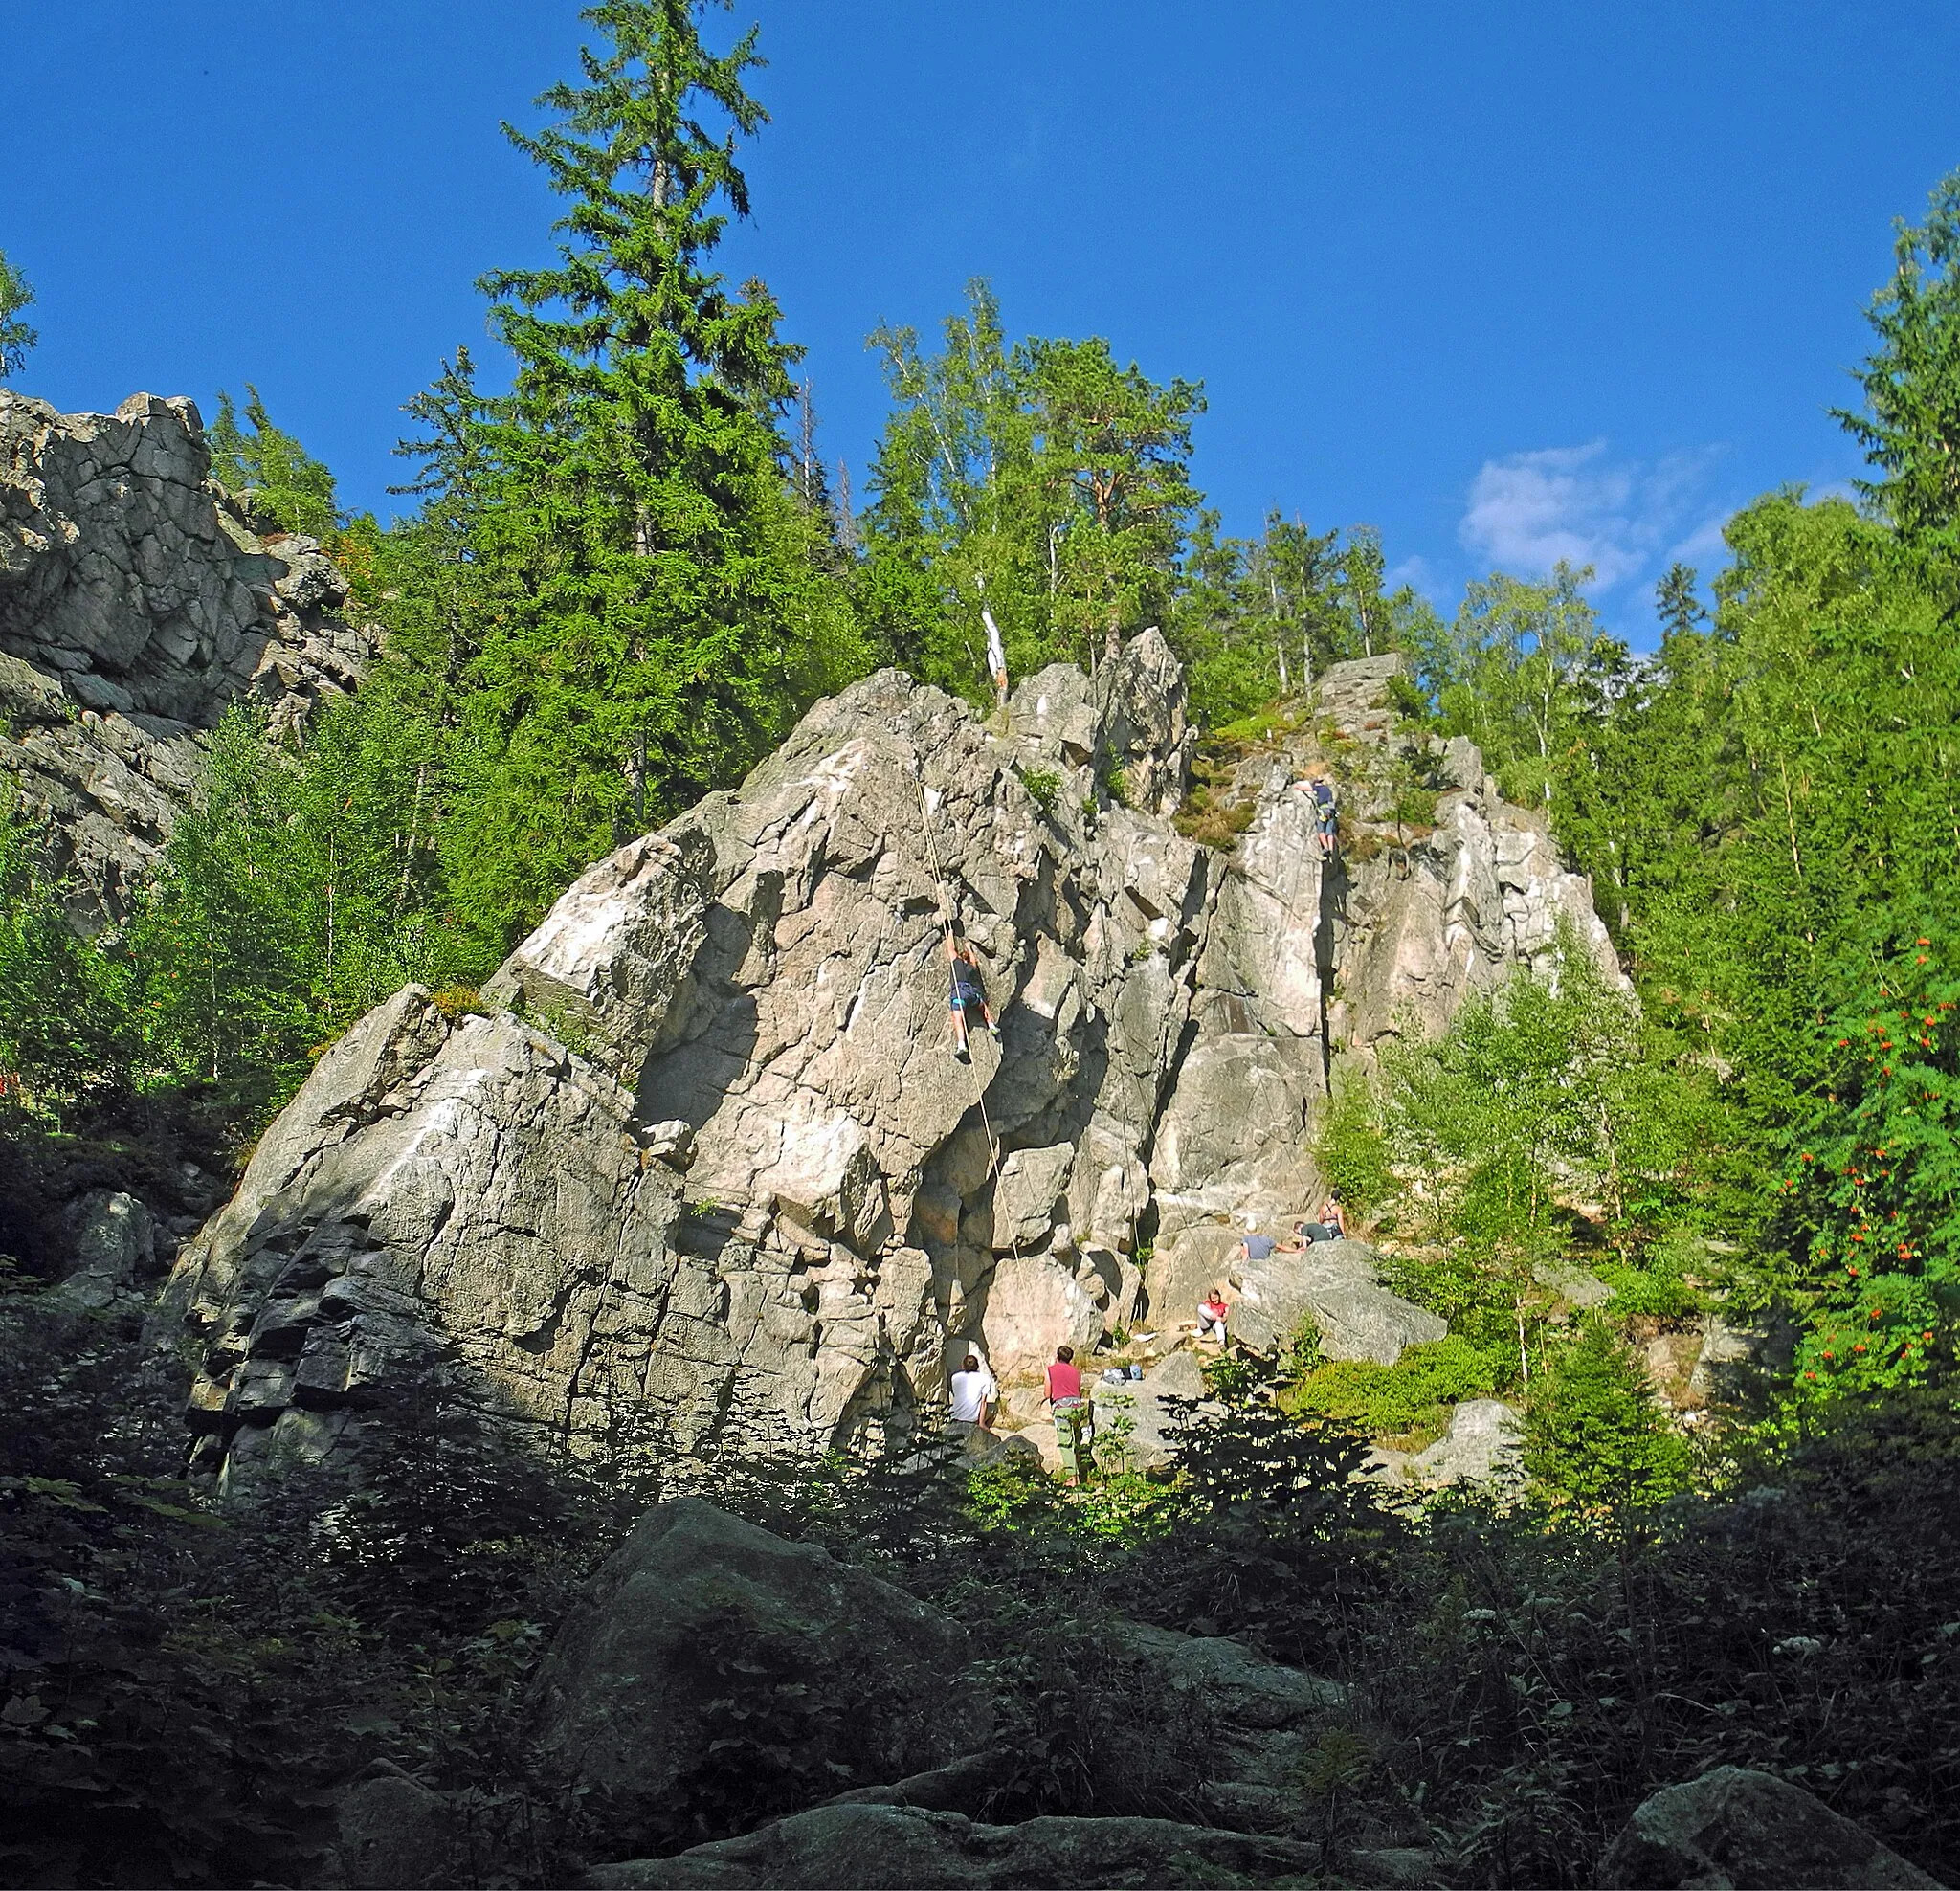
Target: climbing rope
(946, 920)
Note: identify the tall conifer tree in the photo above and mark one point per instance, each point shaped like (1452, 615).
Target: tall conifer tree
(665, 611)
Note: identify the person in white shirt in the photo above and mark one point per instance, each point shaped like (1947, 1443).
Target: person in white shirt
(973, 1391)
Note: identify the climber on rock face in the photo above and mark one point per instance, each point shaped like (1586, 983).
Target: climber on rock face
(1318, 789)
(1072, 1416)
(968, 994)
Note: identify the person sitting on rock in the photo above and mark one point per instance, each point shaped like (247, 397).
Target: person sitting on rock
(1072, 1419)
(1212, 1314)
(1332, 1226)
(968, 994)
(972, 1389)
(1253, 1245)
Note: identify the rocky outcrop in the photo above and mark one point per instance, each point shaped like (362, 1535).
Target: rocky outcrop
(706, 1645)
(391, 1830)
(709, 1165)
(1739, 1830)
(908, 1846)
(114, 1250)
(137, 603)
(1334, 1285)
(1483, 1446)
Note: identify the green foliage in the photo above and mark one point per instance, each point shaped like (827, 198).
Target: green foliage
(185, 1689)
(1517, 672)
(1492, 1127)
(67, 1004)
(1870, 1206)
(17, 339)
(1257, 619)
(1594, 1434)
(1411, 1395)
(1911, 385)
(1044, 482)
(662, 603)
(1351, 1149)
(1045, 788)
(289, 903)
(285, 481)
(1661, 1281)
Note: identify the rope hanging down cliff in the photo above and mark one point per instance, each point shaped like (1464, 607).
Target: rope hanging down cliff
(950, 932)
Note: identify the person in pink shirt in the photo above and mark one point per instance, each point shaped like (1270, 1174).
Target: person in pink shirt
(1069, 1408)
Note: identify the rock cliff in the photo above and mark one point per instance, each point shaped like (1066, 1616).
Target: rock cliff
(137, 603)
(705, 1161)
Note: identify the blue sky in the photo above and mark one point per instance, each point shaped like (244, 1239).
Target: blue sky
(1508, 282)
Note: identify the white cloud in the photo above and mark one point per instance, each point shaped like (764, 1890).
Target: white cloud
(1530, 510)
(1704, 542)
(1415, 573)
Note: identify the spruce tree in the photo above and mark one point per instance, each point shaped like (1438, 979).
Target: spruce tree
(1675, 602)
(291, 488)
(16, 338)
(664, 608)
(1911, 382)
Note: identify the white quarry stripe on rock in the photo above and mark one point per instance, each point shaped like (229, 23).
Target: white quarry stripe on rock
(571, 942)
(837, 771)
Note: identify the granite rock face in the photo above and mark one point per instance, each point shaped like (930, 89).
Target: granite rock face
(710, 1165)
(136, 604)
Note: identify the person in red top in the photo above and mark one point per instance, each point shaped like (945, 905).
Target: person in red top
(1070, 1408)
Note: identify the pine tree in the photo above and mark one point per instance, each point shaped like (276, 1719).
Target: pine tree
(1675, 602)
(664, 612)
(288, 484)
(1911, 385)
(16, 338)
(1594, 1432)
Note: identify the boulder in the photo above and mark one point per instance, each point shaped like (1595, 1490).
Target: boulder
(707, 1652)
(392, 1831)
(1480, 1447)
(1739, 1830)
(897, 1848)
(115, 1249)
(1035, 1303)
(1246, 1690)
(1337, 1284)
(1256, 1718)
(1134, 1420)
(1574, 1285)
(1231, 1137)
(1030, 1188)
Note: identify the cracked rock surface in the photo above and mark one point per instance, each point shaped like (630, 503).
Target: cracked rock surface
(137, 603)
(710, 1167)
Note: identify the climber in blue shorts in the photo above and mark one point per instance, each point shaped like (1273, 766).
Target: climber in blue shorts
(968, 994)
(1326, 811)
